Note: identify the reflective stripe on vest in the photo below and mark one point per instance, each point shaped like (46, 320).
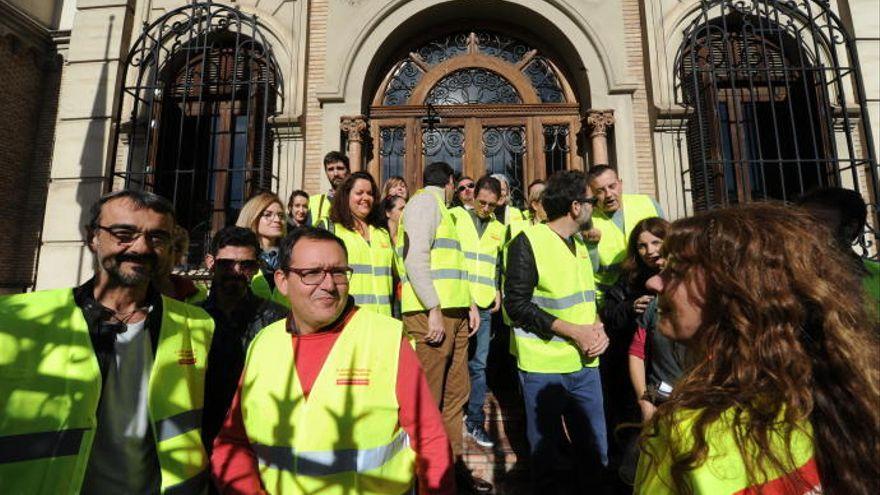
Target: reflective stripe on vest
(612, 245)
(47, 427)
(565, 289)
(371, 283)
(345, 437)
(481, 254)
(448, 266)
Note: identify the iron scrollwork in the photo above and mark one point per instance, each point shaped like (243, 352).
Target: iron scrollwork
(472, 86)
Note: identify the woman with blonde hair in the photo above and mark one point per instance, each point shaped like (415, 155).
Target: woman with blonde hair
(783, 391)
(355, 218)
(395, 186)
(264, 215)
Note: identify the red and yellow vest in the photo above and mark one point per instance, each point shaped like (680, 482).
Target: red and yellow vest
(724, 471)
(345, 437)
(50, 385)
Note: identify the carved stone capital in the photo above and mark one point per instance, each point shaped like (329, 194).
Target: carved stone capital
(599, 121)
(354, 127)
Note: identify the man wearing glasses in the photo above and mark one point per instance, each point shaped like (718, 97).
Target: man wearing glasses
(332, 398)
(238, 315)
(102, 385)
(550, 295)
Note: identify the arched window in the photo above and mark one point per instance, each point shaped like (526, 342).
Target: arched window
(770, 104)
(483, 101)
(202, 88)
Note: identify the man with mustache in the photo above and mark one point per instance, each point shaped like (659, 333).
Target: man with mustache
(332, 398)
(614, 217)
(337, 170)
(238, 316)
(102, 385)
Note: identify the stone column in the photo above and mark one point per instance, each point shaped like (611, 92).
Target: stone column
(598, 121)
(354, 127)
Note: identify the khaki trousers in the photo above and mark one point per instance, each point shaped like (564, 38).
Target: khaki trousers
(445, 367)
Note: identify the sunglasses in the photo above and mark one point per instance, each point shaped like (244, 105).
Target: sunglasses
(465, 186)
(243, 265)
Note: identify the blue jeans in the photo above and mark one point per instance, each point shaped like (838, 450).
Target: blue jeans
(549, 396)
(477, 370)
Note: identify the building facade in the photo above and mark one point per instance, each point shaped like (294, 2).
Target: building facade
(698, 103)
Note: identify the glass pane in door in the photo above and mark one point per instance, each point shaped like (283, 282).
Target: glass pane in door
(444, 144)
(504, 148)
(392, 148)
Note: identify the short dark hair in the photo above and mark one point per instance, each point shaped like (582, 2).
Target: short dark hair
(140, 200)
(563, 188)
(340, 212)
(234, 236)
(597, 170)
(285, 251)
(849, 205)
(336, 156)
(488, 183)
(437, 174)
(294, 194)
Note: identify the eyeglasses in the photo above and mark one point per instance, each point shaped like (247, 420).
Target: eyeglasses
(591, 201)
(465, 186)
(314, 276)
(269, 215)
(126, 236)
(226, 264)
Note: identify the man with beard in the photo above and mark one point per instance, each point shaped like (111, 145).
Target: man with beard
(337, 170)
(102, 385)
(549, 294)
(238, 315)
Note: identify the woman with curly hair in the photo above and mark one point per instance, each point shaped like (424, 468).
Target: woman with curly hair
(783, 394)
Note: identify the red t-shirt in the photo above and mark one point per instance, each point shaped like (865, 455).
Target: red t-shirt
(637, 346)
(234, 464)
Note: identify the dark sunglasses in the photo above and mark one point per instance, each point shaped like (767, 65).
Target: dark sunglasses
(243, 265)
(465, 186)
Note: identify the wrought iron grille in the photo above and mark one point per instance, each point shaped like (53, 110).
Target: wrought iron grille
(775, 105)
(200, 85)
(503, 150)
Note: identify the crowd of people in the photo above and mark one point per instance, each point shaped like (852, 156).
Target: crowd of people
(342, 343)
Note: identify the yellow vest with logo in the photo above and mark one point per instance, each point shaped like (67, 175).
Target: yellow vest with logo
(724, 471)
(319, 207)
(566, 290)
(481, 255)
(612, 245)
(448, 268)
(260, 287)
(345, 437)
(50, 385)
(371, 283)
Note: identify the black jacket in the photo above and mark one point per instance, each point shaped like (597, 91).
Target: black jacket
(618, 315)
(521, 278)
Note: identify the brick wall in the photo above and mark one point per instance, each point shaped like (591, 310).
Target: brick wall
(635, 57)
(317, 51)
(28, 103)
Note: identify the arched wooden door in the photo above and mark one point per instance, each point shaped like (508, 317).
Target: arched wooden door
(481, 101)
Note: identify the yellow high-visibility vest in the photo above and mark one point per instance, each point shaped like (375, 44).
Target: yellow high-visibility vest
(200, 295)
(345, 437)
(371, 283)
(448, 269)
(612, 245)
(512, 214)
(319, 207)
(50, 385)
(566, 290)
(481, 255)
(260, 287)
(724, 470)
(871, 282)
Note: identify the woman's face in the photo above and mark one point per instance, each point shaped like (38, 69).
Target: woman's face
(394, 214)
(300, 209)
(271, 225)
(648, 246)
(505, 190)
(399, 189)
(681, 296)
(360, 200)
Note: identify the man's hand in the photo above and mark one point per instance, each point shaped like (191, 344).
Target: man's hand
(473, 319)
(641, 304)
(436, 332)
(497, 305)
(600, 341)
(648, 409)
